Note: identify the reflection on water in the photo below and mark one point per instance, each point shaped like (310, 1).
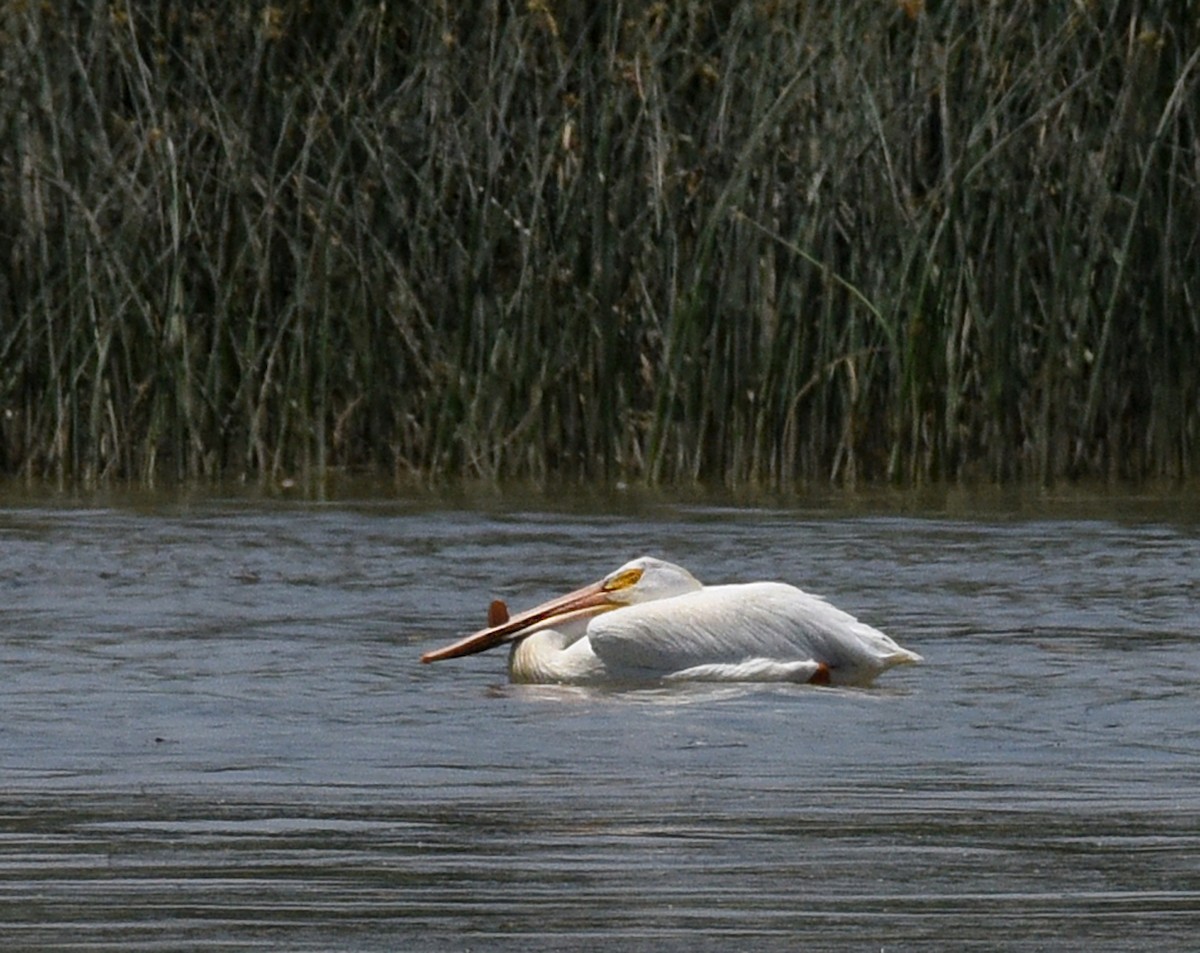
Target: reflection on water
(216, 732)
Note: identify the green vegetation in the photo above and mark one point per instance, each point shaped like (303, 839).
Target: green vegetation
(746, 243)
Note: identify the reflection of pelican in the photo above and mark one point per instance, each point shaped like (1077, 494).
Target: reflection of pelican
(652, 620)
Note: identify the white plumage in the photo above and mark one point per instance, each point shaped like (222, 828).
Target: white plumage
(651, 620)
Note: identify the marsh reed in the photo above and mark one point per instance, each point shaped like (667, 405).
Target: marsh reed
(743, 243)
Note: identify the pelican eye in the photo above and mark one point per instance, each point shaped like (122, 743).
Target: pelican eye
(622, 580)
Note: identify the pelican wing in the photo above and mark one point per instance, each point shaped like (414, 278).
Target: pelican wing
(719, 628)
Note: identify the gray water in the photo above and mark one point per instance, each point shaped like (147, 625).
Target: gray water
(215, 733)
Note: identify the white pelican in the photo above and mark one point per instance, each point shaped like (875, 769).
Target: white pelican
(651, 620)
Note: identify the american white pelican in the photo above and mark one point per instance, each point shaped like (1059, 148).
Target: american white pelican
(651, 620)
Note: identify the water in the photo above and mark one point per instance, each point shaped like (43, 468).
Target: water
(215, 732)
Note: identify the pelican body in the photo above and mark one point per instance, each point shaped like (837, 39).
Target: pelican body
(653, 621)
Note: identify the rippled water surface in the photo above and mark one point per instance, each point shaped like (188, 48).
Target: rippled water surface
(216, 733)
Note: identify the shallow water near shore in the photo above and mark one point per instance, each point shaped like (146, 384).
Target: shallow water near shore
(216, 733)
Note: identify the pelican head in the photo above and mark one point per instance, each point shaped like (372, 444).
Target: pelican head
(647, 579)
(644, 579)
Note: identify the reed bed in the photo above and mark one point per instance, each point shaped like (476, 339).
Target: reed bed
(742, 243)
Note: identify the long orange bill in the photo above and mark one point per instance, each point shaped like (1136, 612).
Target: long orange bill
(587, 601)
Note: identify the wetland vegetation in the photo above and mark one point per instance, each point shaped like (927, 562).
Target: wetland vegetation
(741, 243)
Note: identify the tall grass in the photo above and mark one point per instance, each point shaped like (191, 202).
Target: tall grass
(740, 242)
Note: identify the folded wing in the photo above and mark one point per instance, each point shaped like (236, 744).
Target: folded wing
(732, 629)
